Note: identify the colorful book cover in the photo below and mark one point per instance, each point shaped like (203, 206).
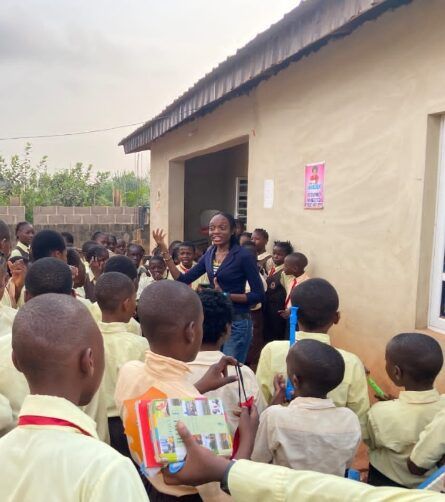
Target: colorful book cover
(204, 418)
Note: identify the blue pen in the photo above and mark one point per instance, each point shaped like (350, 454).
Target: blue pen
(176, 467)
(293, 320)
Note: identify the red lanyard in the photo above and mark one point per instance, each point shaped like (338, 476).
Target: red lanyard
(294, 283)
(38, 420)
(272, 272)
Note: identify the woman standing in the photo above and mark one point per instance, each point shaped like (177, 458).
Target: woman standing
(228, 267)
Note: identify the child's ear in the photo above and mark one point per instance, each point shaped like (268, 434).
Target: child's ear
(337, 317)
(295, 381)
(189, 332)
(125, 304)
(86, 362)
(398, 373)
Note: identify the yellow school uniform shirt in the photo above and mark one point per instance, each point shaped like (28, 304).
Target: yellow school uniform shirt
(6, 420)
(120, 347)
(199, 282)
(251, 481)
(132, 327)
(170, 376)
(229, 393)
(7, 316)
(14, 388)
(352, 392)
(310, 434)
(394, 428)
(289, 282)
(6, 299)
(431, 445)
(54, 463)
(20, 246)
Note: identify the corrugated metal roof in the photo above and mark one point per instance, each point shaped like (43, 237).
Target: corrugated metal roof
(303, 30)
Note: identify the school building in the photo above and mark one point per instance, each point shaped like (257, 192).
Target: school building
(358, 85)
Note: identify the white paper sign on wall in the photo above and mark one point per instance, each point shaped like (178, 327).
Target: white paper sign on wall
(268, 194)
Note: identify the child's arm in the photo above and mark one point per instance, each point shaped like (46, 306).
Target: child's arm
(263, 448)
(358, 397)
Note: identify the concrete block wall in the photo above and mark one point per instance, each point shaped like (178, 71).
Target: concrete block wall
(12, 214)
(93, 215)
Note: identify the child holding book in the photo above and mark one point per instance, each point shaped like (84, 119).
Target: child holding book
(54, 453)
(311, 433)
(175, 338)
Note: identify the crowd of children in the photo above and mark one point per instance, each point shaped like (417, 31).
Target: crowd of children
(86, 329)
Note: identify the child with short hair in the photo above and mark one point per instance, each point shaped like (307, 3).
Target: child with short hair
(186, 257)
(274, 324)
(311, 433)
(48, 243)
(244, 237)
(293, 275)
(121, 246)
(116, 297)
(96, 257)
(317, 301)
(47, 275)
(69, 238)
(100, 238)
(413, 361)
(157, 271)
(218, 315)
(5, 240)
(63, 363)
(260, 237)
(24, 233)
(175, 338)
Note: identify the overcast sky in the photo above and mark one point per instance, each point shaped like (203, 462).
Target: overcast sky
(75, 65)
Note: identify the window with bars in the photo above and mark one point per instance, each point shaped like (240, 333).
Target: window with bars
(241, 199)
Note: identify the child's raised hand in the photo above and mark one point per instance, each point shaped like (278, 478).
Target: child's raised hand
(216, 376)
(201, 465)
(159, 237)
(18, 273)
(279, 385)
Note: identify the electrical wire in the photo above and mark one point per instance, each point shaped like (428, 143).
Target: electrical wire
(77, 133)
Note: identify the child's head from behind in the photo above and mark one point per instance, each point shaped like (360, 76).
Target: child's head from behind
(116, 295)
(122, 264)
(295, 264)
(63, 358)
(314, 368)
(186, 254)
(218, 316)
(48, 275)
(48, 243)
(317, 303)
(98, 254)
(281, 249)
(413, 360)
(171, 319)
(157, 267)
(244, 237)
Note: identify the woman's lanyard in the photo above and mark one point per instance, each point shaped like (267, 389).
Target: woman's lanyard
(58, 422)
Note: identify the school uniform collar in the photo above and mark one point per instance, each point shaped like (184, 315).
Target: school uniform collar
(22, 246)
(162, 366)
(184, 270)
(264, 255)
(58, 407)
(207, 357)
(110, 328)
(321, 337)
(312, 403)
(419, 397)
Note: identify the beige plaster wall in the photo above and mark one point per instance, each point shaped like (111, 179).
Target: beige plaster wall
(362, 104)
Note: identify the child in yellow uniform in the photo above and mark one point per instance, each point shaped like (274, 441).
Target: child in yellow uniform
(311, 433)
(413, 361)
(54, 453)
(171, 317)
(216, 329)
(47, 275)
(116, 297)
(318, 305)
(7, 314)
(186, 255)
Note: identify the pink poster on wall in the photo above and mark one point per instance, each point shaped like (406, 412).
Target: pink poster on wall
(314, 186)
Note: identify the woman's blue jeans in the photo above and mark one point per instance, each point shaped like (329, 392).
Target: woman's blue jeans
(239, 341)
